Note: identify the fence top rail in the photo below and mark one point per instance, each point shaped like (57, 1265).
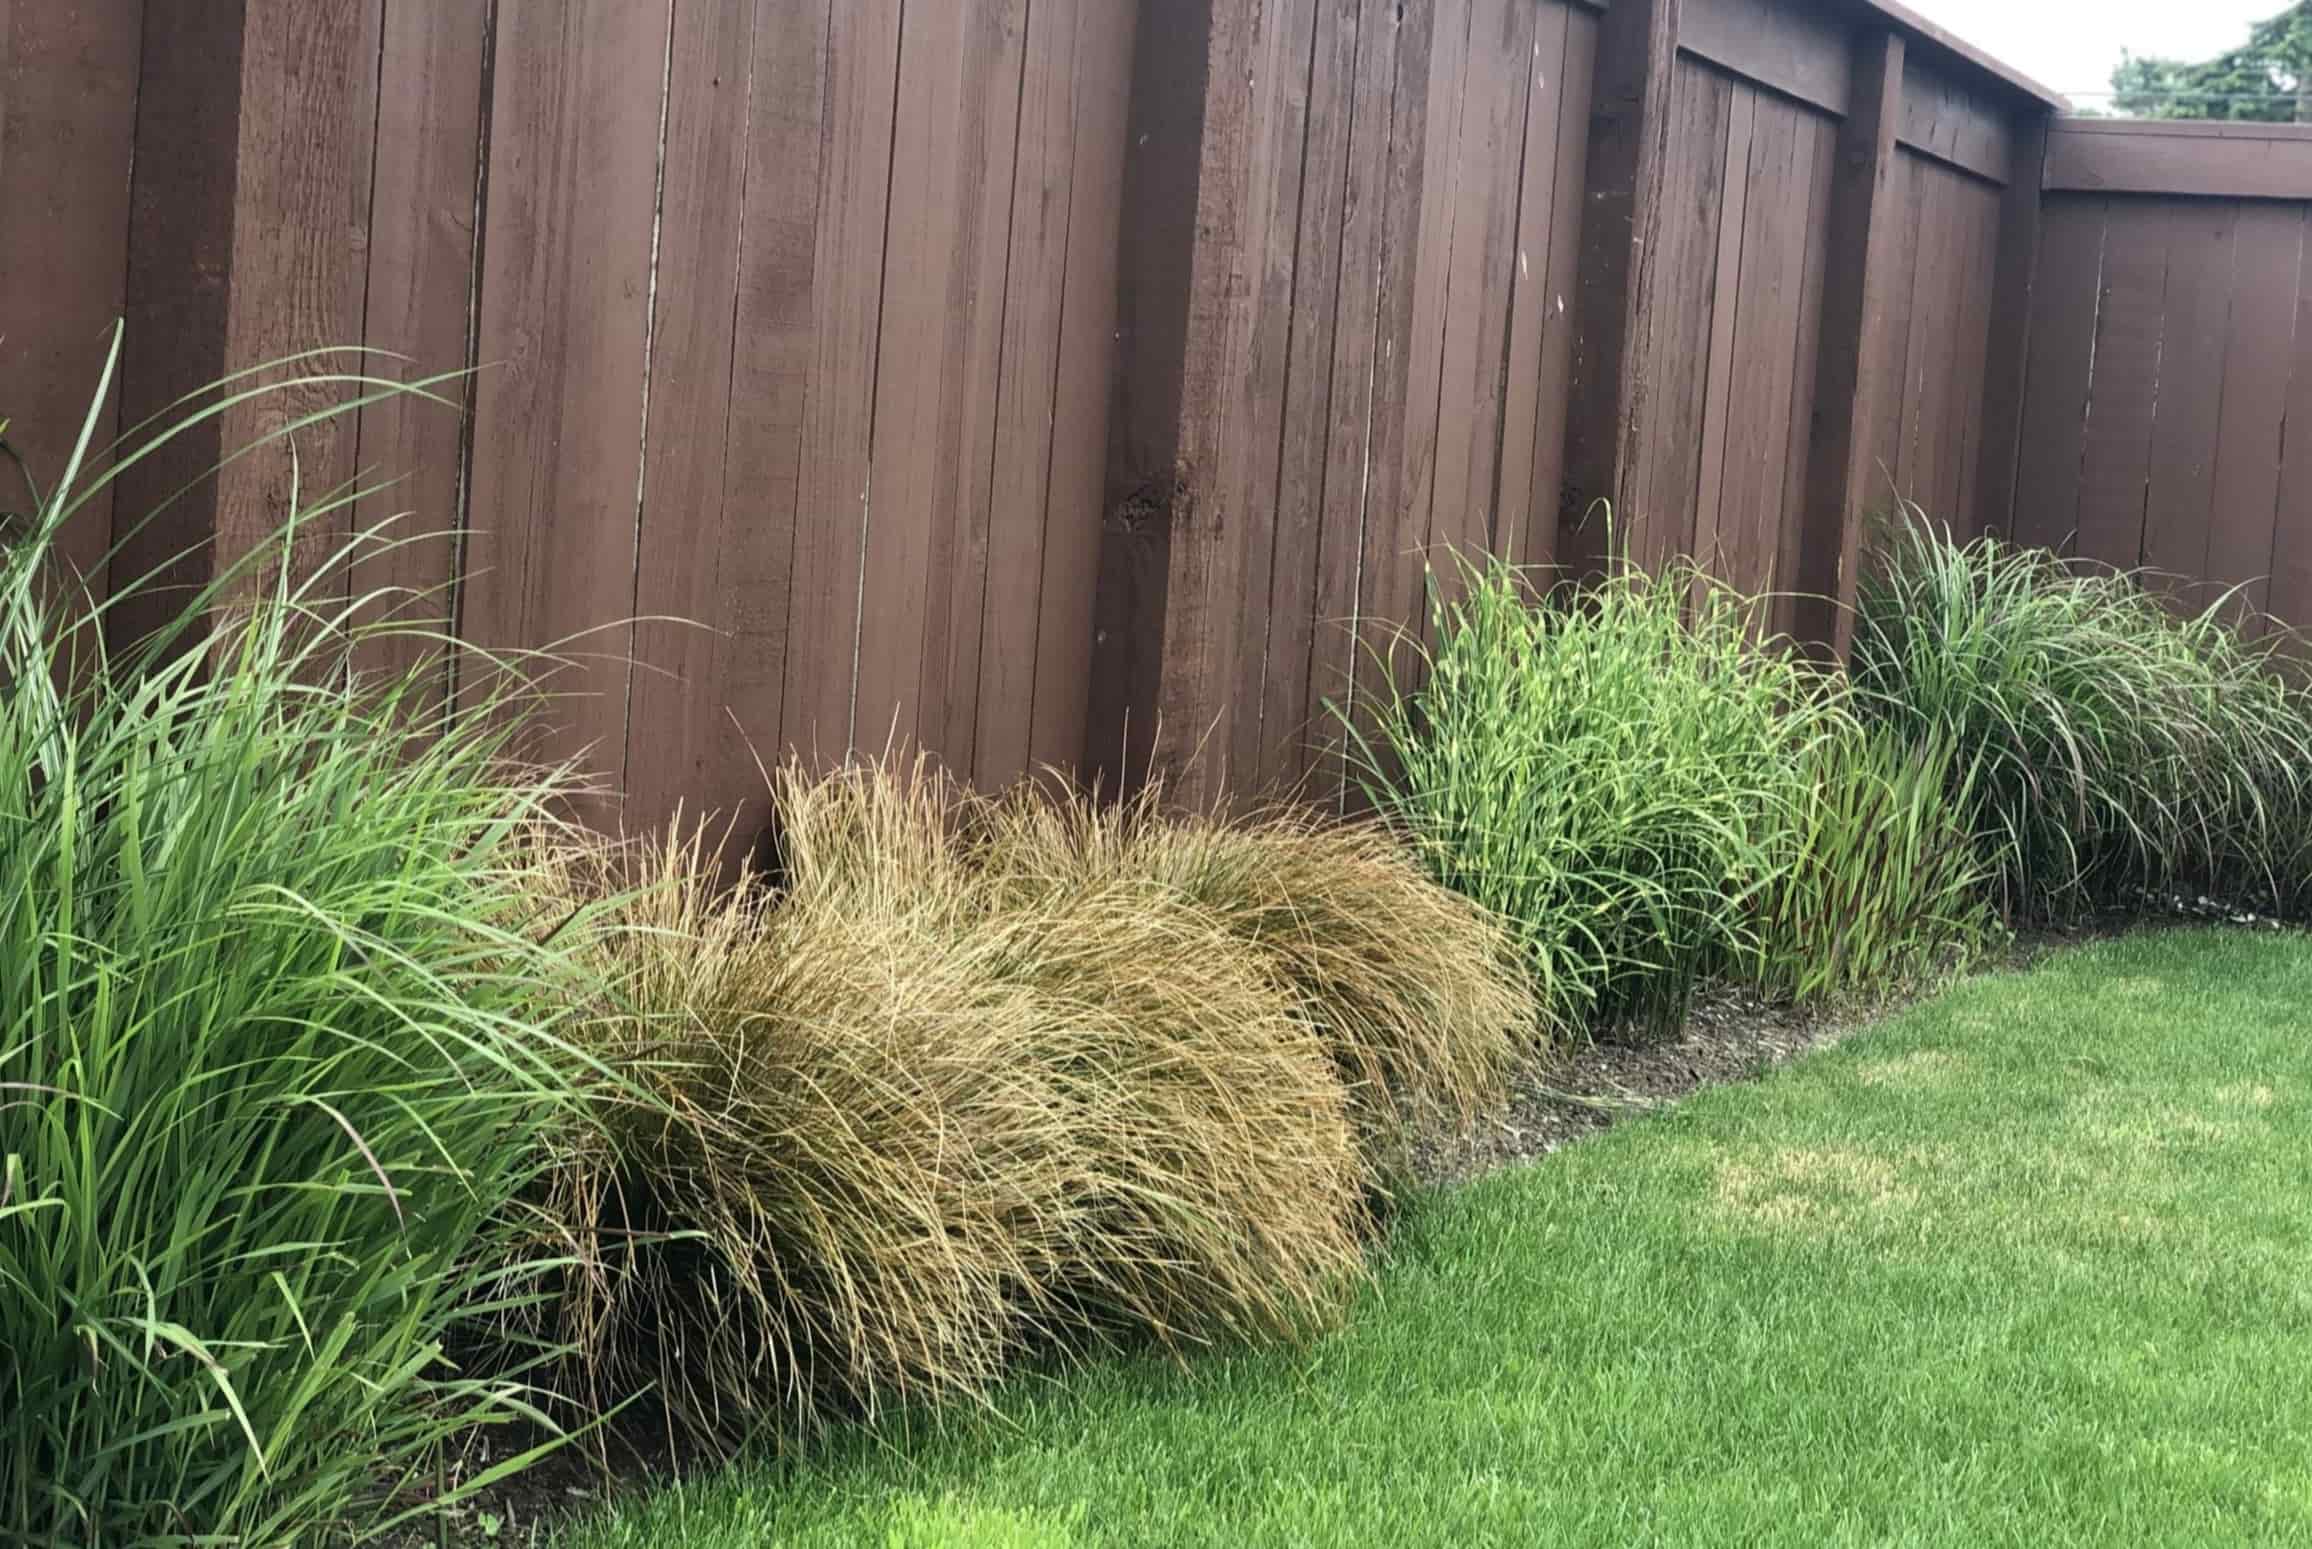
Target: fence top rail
(2179, 160)
(1917, 29)
(1929, 42)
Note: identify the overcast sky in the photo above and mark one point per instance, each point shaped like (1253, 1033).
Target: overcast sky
(2072, 45)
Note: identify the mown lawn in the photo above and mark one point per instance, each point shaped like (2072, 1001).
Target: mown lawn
(2031, 1265)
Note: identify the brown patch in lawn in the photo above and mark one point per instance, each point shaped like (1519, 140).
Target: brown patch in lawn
(1828, 1186)
(1923, 1068)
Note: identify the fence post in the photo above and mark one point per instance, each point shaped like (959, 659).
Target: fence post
(1861, 244)
(1606, 426)
(249, 210)
(2011, 288)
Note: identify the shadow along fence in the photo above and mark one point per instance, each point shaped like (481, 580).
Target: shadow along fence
(1090, 381)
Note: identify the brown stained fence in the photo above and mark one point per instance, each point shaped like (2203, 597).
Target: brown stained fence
(1464, 270)
(1093, 382)
(792, 318)
(2168, 415)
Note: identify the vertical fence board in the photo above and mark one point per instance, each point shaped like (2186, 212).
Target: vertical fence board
(672, 739)
(1526, 381)
(1482, 279)
(2115, 445)
(2061, 355)
(2259, 355)
(68, 96)
(419, 306)
(834, 499)
(301, 228)
(1034, 307)
(1549, 502)
(1389, 573)
(1289, 609)
(1707, 137)
(2202, 242)
(2290, 559)
(1071, 561)
(954, 138)
(1693, 530)
(565, 298)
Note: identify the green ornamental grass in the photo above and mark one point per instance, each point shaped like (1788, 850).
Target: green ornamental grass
(1611, 770)
(271, 1065)
(2109, 745)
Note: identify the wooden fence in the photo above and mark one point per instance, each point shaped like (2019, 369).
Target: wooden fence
(2170, 384)
(793, 318)
(1092, 381)
(1462, 270)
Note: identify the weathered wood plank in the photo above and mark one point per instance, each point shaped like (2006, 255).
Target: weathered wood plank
(2114, 457)
(2262, 161)
(2009, 328)
(2259, 359)
(68, 98)
(422, 252)
(1035, 296)
(1621, 228)
(1357, 370)
(1559, 320)
(2061, 351)
(674, 753)
(2202, 244)
(826, 627)
(1862, 246)
(565, 296)
(1288, 619)
(1105, 40)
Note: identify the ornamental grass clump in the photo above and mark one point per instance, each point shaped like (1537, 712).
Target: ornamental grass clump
(2116, 747)
(1416, 992)
(277, 1053)
(1609, 770)
(897, 1128)
(1883, 886)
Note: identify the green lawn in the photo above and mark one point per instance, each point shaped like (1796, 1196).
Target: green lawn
(2028, 1265)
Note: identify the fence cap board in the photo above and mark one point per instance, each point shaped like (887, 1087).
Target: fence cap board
(1949, 45)
(1802, 49)
(2185, 160)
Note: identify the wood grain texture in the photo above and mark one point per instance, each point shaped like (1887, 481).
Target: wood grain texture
(68, 96)
(2065, 303)
(1629, 149)
(1358, 365)
(1286, 617)
(1853, 347)
(2259, 361)
(301, 192)
(673, 740)
(2201, 249)
(1553, 402)
(1072, 530)
(955, 134)
(1710, 118)
(566, 295)
(2122, 393)
(181, 216)
(826, 630)
(1043, 194)
(2008, 332)
(2208, 161)
(418, 305)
